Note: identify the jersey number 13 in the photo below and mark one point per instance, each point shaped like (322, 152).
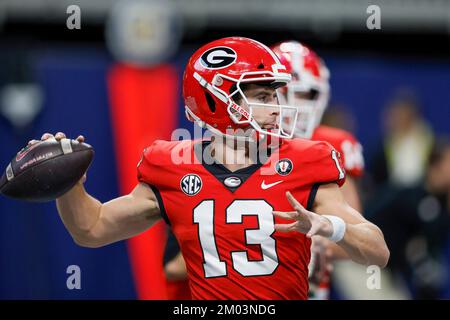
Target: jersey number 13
(212, 265)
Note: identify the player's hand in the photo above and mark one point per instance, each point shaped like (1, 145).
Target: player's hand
(307, 222)
(58, 136)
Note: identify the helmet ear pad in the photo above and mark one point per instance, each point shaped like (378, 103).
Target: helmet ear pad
(210, 101)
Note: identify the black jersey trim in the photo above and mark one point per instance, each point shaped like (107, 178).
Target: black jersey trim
(312, 196)
(219, 171)
(160, 203)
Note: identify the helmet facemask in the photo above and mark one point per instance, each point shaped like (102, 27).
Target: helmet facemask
(242, 115)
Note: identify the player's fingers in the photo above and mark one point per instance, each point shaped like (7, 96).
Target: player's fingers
(295, 204)
(31, 142)
(286, 227)
(286, 215)
(46, 136)
(60, 135)
(80, 138)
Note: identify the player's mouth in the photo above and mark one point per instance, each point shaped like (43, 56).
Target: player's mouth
(270, 126)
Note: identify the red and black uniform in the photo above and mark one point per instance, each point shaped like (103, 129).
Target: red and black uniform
(223, 220)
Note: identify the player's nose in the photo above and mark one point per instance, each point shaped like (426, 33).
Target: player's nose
(272, 110)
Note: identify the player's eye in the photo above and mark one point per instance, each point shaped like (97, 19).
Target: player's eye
(262, 97)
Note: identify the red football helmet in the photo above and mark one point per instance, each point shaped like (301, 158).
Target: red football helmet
(215, 73)
(309, 89)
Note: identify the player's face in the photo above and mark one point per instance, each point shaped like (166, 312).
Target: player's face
(267, 117)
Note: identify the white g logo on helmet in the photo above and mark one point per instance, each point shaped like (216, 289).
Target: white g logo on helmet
(218, 57)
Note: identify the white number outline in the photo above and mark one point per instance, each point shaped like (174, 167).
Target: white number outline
(336, 161)
(213, 267)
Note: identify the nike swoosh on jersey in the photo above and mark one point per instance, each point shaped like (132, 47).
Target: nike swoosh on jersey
(265, 186)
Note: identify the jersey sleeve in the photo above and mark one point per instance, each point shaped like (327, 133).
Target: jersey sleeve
(150, 173)
(144, 167)
(152, 168)
(328, 165)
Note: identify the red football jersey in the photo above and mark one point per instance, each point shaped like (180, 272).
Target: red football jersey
(223, 220)
(346, 144)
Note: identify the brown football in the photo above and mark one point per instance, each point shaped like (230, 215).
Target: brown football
(46, 170)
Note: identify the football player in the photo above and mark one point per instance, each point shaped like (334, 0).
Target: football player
(309, 90)
(244, 222)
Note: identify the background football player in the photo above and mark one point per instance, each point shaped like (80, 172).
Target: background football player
(309, 90)
(244, 226)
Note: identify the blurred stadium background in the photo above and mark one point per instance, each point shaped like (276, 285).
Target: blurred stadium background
(117, 81)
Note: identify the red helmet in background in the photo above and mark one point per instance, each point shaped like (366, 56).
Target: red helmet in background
(214, 75)
(309, 89)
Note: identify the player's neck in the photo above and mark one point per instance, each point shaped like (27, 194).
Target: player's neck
(233, 154)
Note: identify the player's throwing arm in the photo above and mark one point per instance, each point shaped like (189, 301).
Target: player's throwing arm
(93, 224)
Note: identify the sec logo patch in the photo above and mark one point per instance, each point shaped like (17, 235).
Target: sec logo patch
(284, 167)
(191, 184)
